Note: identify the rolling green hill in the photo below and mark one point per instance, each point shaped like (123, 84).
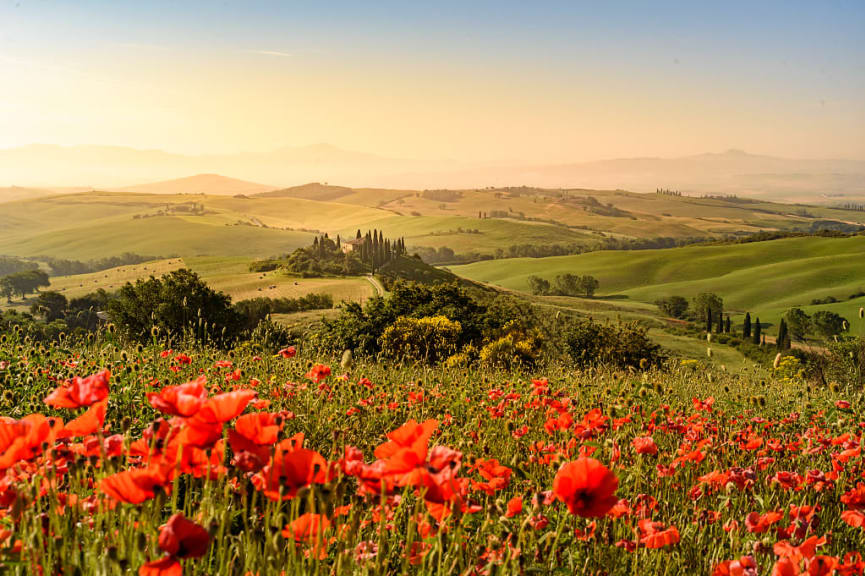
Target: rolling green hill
(765, 278)
(98, 224)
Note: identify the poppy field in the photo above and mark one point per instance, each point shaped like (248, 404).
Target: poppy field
(159, 461)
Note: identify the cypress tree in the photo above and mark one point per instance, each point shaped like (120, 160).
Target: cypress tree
(783, 341)
(708, 320)
(727, 324)
(746, 328)
(756, 332)
(720, 323)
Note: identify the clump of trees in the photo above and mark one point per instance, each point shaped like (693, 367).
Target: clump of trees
(255, 310)
(623, 345)
(23, 283)
(564, 285)
(799, 324)
(709, 307)
(178, 303)
(673, 306)
(62, 267)
(9, 265)
(326, 256)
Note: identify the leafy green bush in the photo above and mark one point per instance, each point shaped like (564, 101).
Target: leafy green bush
(624, 345)
(177, 303)
(673, 306)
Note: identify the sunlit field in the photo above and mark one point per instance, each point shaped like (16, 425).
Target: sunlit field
(151, 459)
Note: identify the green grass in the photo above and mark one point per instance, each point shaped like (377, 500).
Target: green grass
(230, 275)
(765, 278)
(95, 224)
(476, 414)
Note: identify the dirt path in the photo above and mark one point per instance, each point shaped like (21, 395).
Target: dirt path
(376, 285)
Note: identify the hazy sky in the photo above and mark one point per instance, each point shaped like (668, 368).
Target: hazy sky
(473, 81)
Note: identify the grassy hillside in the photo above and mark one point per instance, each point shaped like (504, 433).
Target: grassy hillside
(765, 278)
(98, 224)
(230, 275)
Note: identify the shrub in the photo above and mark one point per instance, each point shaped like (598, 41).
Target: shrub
(624, 345)
(176, 303)
(673, 306)
(829, 324)
(428, 339)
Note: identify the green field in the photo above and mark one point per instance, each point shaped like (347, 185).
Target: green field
(97, 224)
(230, 275)
(764, 278)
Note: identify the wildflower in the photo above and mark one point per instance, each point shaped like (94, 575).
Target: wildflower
(644, 445)
(80, 392)
(289, 470)
(758, 523)
(307, 528)
(855, 497)
(655, 535)
(88, 423)
(318, 373)
(181, 400)
(179, 538)
(23, 439)
(587, 487)
(515, 506)
(134, 486)
(289, 352)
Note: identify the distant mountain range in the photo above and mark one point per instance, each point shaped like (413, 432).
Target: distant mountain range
(119, 168)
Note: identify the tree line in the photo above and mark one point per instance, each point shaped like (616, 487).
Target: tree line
(23, 283)
(564, 285)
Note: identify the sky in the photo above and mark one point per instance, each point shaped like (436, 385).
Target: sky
(467, 81)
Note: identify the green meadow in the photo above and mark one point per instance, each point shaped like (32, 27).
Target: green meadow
(764, 278)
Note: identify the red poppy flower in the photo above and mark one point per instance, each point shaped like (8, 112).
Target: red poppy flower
(179, 538)
(497, 476)
(183, 538)
(854, 518)
(318, 373)
(80, 391)
(805, 550)
(406, 448)
(289, 352)
(587, 487)
(785, 567)
(134, 486)
(88, 423)
(654, 535)
(224, 407)
(24, 439)
(289, 471)
(645, 445)
(744, 566)
(252, 438)
(182, 400)
(307, 527)
(515, 506)
(855, 497)
(758, 523)
(165, 566)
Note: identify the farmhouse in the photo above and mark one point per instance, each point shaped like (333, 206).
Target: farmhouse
(351, 245)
